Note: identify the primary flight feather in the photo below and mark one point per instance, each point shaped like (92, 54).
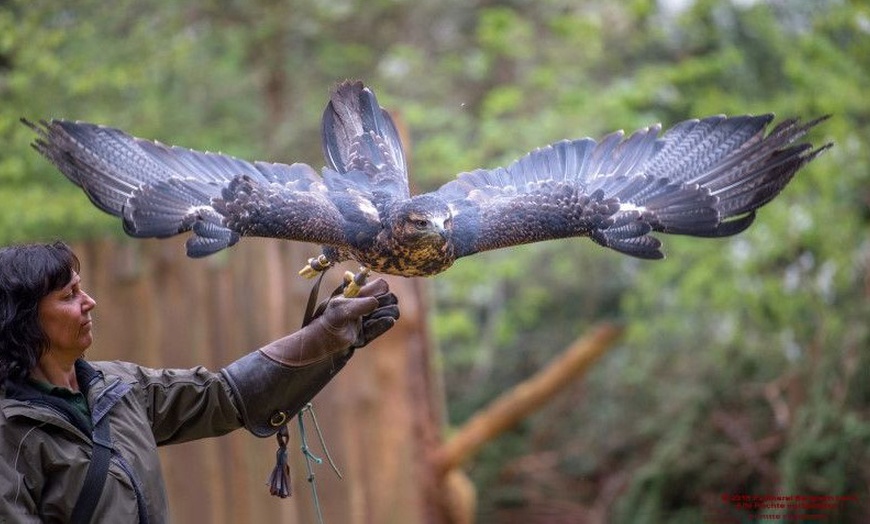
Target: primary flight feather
(702, 178)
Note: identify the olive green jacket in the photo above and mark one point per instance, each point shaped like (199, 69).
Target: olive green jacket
(45, 450)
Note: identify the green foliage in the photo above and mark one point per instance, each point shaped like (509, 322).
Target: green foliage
(720, 322)
(756, 344)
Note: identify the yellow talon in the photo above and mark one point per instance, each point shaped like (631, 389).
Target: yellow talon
(308, 272)
(353, 283)
(315, 266)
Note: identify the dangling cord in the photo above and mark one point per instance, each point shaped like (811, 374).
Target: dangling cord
(311, 457)
(279, 480)
(310, 409)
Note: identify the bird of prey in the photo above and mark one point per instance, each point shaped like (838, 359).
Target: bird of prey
(704, 178)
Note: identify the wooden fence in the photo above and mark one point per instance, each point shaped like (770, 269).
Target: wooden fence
(381, 416)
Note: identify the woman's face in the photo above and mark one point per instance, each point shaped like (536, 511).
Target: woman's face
(65, 317)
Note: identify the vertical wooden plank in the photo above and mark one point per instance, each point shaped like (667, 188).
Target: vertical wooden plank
(158, 308)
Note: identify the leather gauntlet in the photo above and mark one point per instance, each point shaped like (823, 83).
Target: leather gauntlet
(274, 383)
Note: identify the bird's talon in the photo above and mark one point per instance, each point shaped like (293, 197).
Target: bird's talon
(308, 272)
(353, 283)
(315, 266)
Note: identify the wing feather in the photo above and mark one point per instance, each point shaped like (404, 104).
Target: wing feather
(702, 177)
(273, 210)
(161, 190)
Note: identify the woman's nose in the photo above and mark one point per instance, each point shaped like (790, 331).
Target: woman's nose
(89, 303)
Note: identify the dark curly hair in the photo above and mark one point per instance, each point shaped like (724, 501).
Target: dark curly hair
(28, 273)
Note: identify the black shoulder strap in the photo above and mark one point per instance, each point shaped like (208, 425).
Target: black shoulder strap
(95, 478)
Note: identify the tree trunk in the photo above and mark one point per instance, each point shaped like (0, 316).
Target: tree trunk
(382, 417)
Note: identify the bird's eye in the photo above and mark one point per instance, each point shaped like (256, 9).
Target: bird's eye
(421, 223)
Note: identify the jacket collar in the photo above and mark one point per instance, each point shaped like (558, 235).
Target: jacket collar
(25, 391)
(86, 375)
(100, 396)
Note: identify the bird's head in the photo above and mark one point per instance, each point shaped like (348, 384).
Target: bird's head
(425, 220)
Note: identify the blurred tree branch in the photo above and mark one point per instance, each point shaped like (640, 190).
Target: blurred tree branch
(523, 399)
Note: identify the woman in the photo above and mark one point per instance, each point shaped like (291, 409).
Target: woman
(78, 439)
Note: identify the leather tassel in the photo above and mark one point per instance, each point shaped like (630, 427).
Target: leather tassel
(279, 480)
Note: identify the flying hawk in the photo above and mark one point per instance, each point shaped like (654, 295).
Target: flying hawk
(703, 178)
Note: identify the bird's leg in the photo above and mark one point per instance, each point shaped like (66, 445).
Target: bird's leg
(315, 266)
(353, 283)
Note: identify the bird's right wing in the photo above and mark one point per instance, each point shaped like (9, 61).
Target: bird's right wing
(702, 178)
(161, 190)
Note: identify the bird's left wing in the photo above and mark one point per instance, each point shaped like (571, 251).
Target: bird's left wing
(161, 190)
(702, 178)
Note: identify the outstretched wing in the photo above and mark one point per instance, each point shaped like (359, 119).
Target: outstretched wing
(161, 191)
(702, 178)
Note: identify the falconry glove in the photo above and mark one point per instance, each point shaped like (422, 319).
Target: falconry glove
(275, 382)
(378, 321)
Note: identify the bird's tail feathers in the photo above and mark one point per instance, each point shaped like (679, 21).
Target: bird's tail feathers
(359, 135)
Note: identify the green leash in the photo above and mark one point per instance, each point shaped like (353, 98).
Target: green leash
(311, 457)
